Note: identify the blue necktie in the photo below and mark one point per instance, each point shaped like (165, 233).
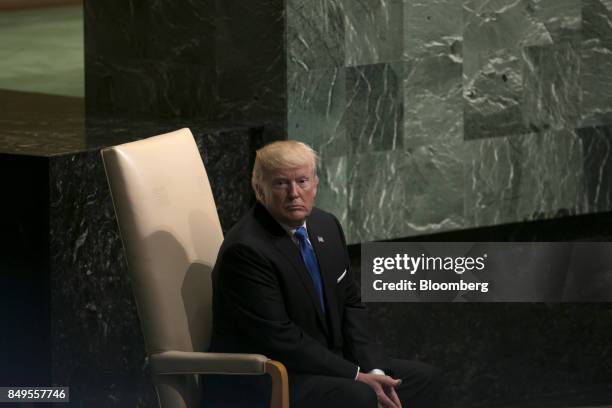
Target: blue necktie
(311, 263)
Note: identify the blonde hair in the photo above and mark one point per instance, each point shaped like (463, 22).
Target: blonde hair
(285, 154)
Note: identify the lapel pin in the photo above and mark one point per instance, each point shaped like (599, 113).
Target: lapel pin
(320, 239)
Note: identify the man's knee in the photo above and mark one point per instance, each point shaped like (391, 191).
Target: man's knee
(421, 385)
(431, 379)
(420, 374)
(308, 391)
(361, 395)
(431, 390)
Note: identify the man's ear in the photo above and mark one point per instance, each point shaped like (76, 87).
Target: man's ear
(259, 195)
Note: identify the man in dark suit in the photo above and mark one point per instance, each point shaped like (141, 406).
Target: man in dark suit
(283, 287)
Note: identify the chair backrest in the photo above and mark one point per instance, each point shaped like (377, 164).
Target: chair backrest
(171, 235)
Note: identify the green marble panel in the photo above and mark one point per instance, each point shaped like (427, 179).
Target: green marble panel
(551, 80)
(495, 33)
(374, 107)
(404, 193)
(433, 105)
(500, 25)
(316, 105)
(597, 164)
(596, 74)
(524, 177)
(433, 27)
(405, 129)
(315, 34)
(596, 27)
(373, 31)
(332, 192)
(492, 98)
(596, 84)
(562, 18)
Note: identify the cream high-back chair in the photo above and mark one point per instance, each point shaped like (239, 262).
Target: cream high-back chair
(171, 235)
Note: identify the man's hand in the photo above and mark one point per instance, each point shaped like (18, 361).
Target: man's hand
(384, 387)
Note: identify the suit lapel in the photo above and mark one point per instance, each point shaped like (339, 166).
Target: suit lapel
(325, 257)
(292, 253)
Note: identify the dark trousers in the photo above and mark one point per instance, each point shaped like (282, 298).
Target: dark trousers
(420, 388)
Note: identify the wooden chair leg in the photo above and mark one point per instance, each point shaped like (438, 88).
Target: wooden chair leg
(280, 384)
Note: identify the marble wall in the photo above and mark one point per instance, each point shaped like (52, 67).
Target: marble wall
(442, 115)
(211, 59)
(429, 115)
(66, 303)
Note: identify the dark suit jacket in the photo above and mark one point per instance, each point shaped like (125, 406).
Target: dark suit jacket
(264, 300)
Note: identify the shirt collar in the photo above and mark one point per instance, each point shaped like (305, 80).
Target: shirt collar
(291, 230)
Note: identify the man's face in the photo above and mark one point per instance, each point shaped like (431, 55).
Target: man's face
(288, 194)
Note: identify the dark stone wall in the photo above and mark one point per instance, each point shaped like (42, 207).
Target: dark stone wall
(213, 60)
(506, 354)
(528, 355)
(67, 307)
(96, 342)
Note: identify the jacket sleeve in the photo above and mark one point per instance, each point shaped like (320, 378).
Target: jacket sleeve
(255, 303)
(358, 334)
